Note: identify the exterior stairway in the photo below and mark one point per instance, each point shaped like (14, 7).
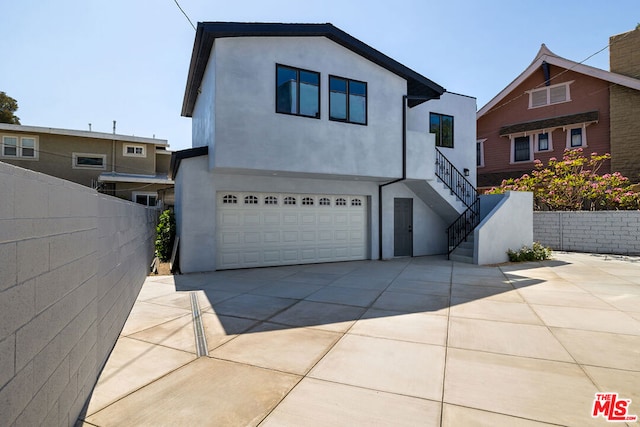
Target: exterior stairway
(461, 207)
(464, 251)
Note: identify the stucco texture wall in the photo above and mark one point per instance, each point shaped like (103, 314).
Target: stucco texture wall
(72, 262)
(606, 232)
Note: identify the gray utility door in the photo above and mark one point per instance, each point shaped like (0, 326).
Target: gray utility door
(402, 227)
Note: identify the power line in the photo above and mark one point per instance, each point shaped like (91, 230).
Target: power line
(185, 14)
(557, 75)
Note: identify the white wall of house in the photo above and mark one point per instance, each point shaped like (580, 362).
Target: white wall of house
(249, 134)
(429, 229)
(203, 124)
(196, 210)
(463, 110)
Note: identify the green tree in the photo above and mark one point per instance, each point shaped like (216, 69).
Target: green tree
(8, 106)
(573, 183)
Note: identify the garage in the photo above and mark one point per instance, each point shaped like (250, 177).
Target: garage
(267, 229)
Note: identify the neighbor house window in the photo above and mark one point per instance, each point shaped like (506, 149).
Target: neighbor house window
(575, 138)
(89, 161)
(480, 152)
(549, 95)
(347, 100)
(147, 199)
(442, 126)
(521, 149)
(543, 141)
(25, 147)
(134, 151)
(297, 91)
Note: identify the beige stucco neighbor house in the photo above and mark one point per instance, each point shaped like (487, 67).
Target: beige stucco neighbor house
(129, 167)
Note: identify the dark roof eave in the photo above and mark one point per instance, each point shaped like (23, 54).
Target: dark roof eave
(554, 122)
(207, 32)
(178, 156)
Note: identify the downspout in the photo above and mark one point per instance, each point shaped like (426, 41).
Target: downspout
(404, 172)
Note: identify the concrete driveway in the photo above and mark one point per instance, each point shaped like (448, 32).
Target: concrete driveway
(415, 342)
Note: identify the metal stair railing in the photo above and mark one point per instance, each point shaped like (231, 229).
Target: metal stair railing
(454, 180)
(460, 186)
(464, 225)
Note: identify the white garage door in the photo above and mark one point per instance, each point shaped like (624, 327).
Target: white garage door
(261, 229)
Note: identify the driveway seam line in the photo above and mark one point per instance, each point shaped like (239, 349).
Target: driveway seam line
(198, 326)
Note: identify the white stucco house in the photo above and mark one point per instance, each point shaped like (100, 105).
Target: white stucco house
(311, 146)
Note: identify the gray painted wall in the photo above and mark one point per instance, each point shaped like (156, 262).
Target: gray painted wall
(508, 226)
(72, 262)
(606, 232)
(249, 134)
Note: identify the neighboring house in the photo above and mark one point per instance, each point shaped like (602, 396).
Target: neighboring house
(311, 146)
(558, 104)
(128, 167)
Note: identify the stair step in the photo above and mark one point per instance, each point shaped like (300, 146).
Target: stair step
(461, 258)
(463, 251)
(469, 244)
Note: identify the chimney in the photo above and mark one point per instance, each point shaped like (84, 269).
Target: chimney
(624, 53)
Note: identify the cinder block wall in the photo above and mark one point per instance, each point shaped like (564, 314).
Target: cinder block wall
(624, 58)
(606, 232)
(72, 262)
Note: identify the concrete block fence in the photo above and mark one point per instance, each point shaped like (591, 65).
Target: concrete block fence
(606, 232)
(72, 262)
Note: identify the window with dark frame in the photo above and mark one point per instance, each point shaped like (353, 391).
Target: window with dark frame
(442, 126)
(576, 137)
(521, 149)
(543, 141)
(347, 100)
(297, 91)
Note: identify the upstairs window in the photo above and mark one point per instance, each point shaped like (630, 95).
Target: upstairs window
(25, 147)
(442, 126)
(297, 91)
(347, 100)
(89, 161)
(134, 151)
(550, 95)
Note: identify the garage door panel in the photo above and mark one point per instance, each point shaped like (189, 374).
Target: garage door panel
(260, 229)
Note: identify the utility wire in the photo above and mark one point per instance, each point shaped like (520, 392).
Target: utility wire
(557, 75)
(185, 14)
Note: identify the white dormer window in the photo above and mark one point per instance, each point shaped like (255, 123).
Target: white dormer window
(134, 150)
(549, 95)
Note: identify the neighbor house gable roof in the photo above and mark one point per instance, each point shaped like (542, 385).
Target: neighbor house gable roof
(545, 55)
(418, 86)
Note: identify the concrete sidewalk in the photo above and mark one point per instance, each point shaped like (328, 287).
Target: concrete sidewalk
(415, 342)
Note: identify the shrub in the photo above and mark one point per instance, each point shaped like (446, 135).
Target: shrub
(573, 183)
(535, 253)
(165, 234)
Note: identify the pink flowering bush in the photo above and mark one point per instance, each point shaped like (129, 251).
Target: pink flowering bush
(573, 183)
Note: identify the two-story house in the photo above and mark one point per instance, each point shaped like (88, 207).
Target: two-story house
(128, 167)
(311, 146)
(557, 104)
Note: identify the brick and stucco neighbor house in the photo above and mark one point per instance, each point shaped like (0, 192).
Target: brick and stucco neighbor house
(129, 167)
(311, 146)
(557, 104)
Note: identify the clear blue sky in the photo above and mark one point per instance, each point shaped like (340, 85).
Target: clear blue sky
(73, 62)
